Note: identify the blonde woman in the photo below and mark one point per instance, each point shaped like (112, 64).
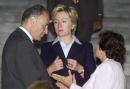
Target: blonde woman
(66, 52)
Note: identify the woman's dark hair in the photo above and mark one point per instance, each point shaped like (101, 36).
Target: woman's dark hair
(113, 45)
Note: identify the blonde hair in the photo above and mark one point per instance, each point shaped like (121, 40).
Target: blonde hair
(71, 11)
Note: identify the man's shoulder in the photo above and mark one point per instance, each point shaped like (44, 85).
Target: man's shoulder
(46, 45)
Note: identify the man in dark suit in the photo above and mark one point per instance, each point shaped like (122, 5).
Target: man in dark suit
(21, 63)
(90, 14)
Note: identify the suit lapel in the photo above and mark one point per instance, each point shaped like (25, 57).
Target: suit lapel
(60, 52)
(23, 34)
(73, 50)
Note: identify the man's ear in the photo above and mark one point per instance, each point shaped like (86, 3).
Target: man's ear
(32, 19)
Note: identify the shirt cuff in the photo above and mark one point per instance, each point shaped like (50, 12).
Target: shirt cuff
(74, 86)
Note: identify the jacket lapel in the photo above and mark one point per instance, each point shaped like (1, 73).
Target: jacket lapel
(60, 52)
(75, 48)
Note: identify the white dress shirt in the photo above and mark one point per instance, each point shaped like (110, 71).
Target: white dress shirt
(27, 33)
(108, 75)
(66, 47)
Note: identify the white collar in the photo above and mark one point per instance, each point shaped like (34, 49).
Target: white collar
(73, 37)
(27, 33)
(106, 59)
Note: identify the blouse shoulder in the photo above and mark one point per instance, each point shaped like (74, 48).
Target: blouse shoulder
(109, 65)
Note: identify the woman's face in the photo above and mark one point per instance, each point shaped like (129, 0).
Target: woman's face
(63, 24)
(99, 53)
(97, 50)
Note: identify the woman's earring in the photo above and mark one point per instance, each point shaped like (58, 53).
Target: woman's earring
(73, 26)
(73, 29)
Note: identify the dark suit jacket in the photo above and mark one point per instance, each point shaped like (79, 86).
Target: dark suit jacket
(21, 63)
(88, 11)
(83, 53)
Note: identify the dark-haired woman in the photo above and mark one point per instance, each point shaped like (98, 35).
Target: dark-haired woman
(109, 74)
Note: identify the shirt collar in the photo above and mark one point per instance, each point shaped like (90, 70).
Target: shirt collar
(107, 59)
(27, 33)
(74, 38)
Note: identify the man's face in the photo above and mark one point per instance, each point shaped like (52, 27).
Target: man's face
(41, 26)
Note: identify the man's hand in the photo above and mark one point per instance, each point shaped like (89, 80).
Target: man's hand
(97, 26)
